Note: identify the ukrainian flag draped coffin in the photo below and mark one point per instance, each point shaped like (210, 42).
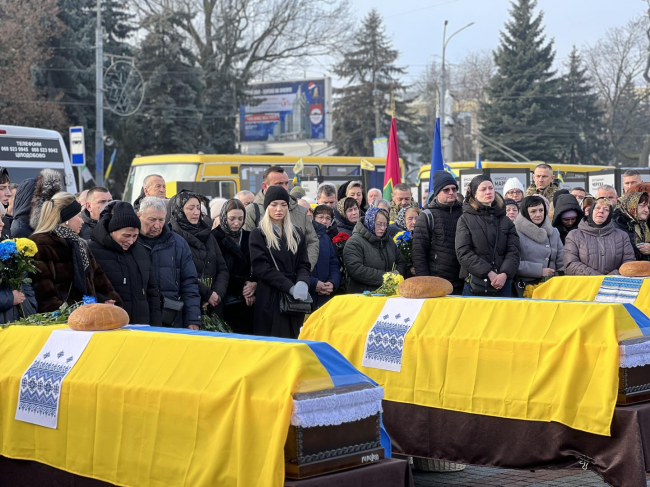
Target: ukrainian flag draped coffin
(169, 409)
(511, 358)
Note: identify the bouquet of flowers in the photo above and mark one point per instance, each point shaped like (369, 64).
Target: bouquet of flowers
(339, 242)
(17, 256)
(210, 321)
(389, 287)
(58, 317)
(404, 241)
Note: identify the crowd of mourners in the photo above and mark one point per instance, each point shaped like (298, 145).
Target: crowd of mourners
(255, 259)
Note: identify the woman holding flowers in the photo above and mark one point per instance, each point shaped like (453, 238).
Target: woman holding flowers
(67, 269)
(370, 253)
(16, 295)
(405, 221)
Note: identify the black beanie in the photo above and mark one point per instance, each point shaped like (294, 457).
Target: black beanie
(442, 179)
(123, 216)
(557, 194)
(274, 193)
(476, 182)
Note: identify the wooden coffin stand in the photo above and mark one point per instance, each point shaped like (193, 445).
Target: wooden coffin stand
(318, 450)
(634, 382)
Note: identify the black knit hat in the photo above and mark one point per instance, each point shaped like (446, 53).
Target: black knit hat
(123, 216)
(476, 182)
(274, 193)
(442, 179)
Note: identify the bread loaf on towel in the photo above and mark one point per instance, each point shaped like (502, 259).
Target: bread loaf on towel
(97, 317)
(425, 287)
(635, 269)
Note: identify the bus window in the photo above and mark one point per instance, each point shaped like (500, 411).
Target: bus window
(309, 173)
(169, 172)
(227, 189)
(251, 176)
(349, 170)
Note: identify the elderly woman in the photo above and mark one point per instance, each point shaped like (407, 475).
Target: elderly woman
(405, 221)
(512, 209)
(541, 250)
(382, 204)
(487, 244)
(280, 264)
(347, 214)
(370, 253)
(67, 270)
(597, 247)
(632, 217)
(184, 211)
(127, 264)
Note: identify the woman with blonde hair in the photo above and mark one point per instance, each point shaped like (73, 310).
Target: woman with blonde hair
(67, 270)
(280, 264)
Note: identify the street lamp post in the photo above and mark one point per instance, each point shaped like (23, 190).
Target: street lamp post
(445, 41)
(99, 99)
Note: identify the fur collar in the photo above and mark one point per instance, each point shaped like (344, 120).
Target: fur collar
(532, 231)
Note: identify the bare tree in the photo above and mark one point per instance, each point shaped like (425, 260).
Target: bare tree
(617, 63)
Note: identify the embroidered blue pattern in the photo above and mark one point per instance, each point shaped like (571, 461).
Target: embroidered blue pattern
(619, 290)
(386, 342)
(40, 387)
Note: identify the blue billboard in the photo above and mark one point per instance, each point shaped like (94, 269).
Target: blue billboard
(284, 111)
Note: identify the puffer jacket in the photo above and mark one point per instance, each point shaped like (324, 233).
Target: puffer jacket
(475, 237)
(328, 268)
(590, 251)
(566, 202)
(299, 218)
(89, 225)
(435, 254)
(171, 260)
(22, 208)
(130, 274)
(368, 257)
(540, 247)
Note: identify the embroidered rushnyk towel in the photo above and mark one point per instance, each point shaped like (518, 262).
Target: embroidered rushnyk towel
(385, 341)
(618, 289)
(40, 385)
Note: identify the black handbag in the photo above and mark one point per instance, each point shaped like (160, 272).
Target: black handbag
(170, 310)
(483, 287)
(290, 305)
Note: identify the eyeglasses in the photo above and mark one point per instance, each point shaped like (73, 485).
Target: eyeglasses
(381, 225)
(323, 217)
(451, 190)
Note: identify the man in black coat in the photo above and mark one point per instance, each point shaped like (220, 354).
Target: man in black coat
(127, 264)
(97, 199)
(434, 236)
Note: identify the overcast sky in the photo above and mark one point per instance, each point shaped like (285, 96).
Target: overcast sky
(415, 26)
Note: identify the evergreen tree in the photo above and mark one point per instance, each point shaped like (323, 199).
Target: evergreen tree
(586, 138)
(371, 77)
(170, 119)
(523, 111)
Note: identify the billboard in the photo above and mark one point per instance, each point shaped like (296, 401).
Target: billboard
(287, 111)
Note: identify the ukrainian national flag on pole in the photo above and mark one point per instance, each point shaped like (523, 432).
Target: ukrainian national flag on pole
(437, 163)
(392, 176)
(479, 163)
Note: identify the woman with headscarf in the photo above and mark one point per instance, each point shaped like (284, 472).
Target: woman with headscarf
(632, 217)
(67, 270)
(184, 212)
(487, 244)
(597, 247)
(347, 215)
(541, 250)
(281, 265)
(405, 221)
(370, 253)
(233, 241)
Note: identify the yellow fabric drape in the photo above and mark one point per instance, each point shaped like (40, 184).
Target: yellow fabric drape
(157, 409)
(585, 288)
(519, 359)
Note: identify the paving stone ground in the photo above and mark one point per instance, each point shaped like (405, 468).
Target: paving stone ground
(497, 477)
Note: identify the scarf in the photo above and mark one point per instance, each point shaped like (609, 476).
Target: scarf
(371, 217)
(80, 260)
(590, 218)
(340, 207)
(400, 221)
(223, 222)
(180, 223)
(628, 206)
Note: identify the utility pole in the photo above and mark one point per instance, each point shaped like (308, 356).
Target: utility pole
(99, 98)
(447, 157)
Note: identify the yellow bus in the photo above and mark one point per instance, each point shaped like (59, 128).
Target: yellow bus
(218, 175)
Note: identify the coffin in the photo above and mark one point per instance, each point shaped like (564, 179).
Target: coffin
(334, 430)
(634, 371)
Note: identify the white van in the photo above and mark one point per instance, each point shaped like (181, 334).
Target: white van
(24, 151)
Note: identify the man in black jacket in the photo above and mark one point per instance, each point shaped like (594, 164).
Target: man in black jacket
(98, 197)
(434, 237)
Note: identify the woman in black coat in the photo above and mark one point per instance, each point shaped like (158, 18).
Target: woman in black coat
(126, 263)
(347, 214)
(487, 243)
(184, 211)
(233, 241)
(280, 264)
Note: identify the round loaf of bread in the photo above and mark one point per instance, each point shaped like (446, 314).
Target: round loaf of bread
(635, 269)
(97, 317)
(425, 287)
